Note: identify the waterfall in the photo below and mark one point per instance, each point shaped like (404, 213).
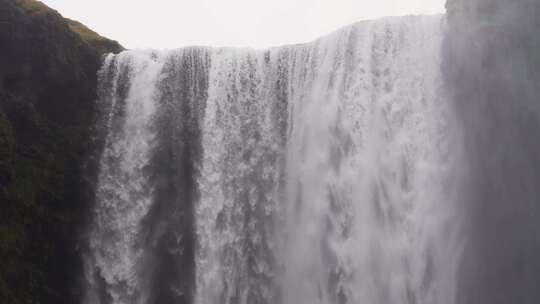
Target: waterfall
(315, 173)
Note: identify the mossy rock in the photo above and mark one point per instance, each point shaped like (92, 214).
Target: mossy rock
(7, 151)
(101, 44)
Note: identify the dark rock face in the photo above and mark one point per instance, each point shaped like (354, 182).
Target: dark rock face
(47, 109)
(492, 69)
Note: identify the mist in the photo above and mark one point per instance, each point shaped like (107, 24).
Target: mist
(491, 68)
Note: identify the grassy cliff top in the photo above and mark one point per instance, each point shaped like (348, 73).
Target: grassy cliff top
(102, 44)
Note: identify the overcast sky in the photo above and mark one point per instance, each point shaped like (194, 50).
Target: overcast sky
(254, 23)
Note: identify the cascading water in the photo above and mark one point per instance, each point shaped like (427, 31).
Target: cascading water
(316, 173)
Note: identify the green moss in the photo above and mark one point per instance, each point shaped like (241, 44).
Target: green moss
(7, 153)
(85, 33)
(101, 43)
(10, 238)
(7, 143)
(23, 187)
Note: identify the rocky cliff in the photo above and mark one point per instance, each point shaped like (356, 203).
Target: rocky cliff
(48, 68)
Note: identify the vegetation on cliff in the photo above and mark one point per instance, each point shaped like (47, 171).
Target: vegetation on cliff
(100, 43)
(48, 68)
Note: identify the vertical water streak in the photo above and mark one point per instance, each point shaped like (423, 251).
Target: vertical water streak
(124, 193)
(240, 183)
(169, 226)
(367, 168)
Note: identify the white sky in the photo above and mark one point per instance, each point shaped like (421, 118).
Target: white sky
(254, 23)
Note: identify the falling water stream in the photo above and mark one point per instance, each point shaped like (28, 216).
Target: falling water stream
(315, 173)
